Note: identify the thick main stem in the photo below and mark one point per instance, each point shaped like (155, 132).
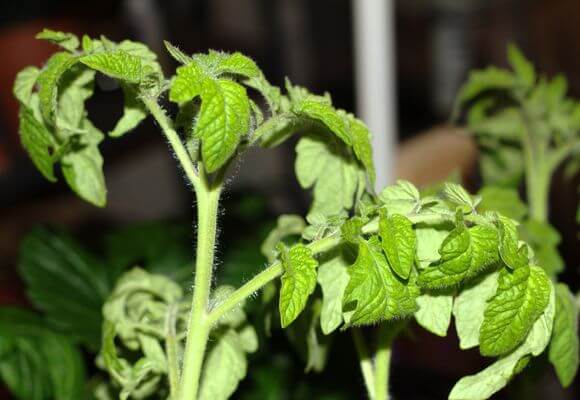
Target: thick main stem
(198, 329)
(383, 364)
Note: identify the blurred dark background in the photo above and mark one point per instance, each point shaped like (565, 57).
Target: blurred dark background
(437, 42)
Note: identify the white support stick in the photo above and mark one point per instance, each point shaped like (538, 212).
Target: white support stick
(374, 40)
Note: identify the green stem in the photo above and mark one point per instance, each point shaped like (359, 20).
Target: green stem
(383, 364)
(171, 350)
(198, 330)
(366, 365)
(173, 138)
(260, 280)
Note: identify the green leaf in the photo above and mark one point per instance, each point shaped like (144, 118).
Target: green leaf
(434, 313)
(401, 198)
(351, 229)
(457, 195)
(522, 296)
(484, 80)
(224, 117)
(464, 253)
(429, 240)
(38, 142)
(484, 384)
(238, 64)
(224, 367)
(24, 84)
(506, 124)
(544, 240)
(469, 307)
(503, 166)
(48, 81)
(324, 113)
(361, 144)
(374, 293)
(332, 278)
(287, 225)
(28, 359)
(118, 64)
(564, 345)
(523, 68)
(188, 83)
(399, 243)
(335, 176)
(65, 282)
(83, 171)
(177, 54)
(512, 254)
(67, 40)
(506, 201)
(298, 282)
(133, 113)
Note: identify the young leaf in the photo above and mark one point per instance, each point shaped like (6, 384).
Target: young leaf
(48, 81)
(67, 41)
(457, 195)
(332, 278)
(522, 296)
(68, 284)
(298, 282)
(118, 64)
(24, 84)
(464, 253)
(335, 176)
(188, 83)
(564, 345)
(484, 384)
(399, 243)
(238, 64)
(434, 313)
(469, 307)
(38, 142)
(224, 117)
(401, 198)
(177, 54)
(324, 113)
(374, 293)
(505, 201)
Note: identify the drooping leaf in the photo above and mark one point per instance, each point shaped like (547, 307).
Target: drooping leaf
(335, 176)
(429, 240)
(38, 142)
(24, 84)
(36, 363)
(324, 113)
(298, 282)
(521, 297)
(434, 313)
(68, 284)
(564, 344)
(67, 41)
(224, 117)
(374, 293)
(457, 195)
(512, 254)
(332, 278)
(399, 243)
(469, 307)
(48, 81)
(484, 384)
(401, 198)
(361, 144)
(133, 113)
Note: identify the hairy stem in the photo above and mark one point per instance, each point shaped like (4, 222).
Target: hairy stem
(383, 363)
(365, 362)
(260, 280)
(198, 330)
(173, 138)
(171, 344)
